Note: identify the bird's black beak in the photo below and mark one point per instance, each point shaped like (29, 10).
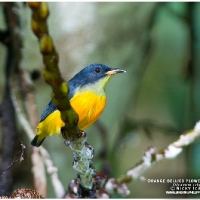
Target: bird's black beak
(115, 71)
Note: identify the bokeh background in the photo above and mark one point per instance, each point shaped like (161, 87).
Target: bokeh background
(158, 44)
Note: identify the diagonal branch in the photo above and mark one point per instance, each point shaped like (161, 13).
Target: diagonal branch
(75, 137)
(152, 157)
(51, 72)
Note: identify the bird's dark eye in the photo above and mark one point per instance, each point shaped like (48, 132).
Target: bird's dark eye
(97, 70)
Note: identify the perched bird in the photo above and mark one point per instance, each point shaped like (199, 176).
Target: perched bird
(87, 97)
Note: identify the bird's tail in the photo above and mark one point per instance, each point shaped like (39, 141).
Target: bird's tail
(36, 142)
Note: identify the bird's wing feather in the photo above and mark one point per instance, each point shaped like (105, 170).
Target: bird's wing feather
(51, 106)
(49, 109)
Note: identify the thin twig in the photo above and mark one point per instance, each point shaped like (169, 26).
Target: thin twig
(18, 158)
(152, 157)
(24, 92)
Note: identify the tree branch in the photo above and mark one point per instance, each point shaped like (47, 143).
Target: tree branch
(152, 157)
(75, 137)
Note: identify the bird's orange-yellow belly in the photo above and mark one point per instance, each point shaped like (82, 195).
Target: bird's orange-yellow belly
(88, 106)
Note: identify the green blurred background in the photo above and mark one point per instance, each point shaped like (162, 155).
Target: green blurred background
(158, 44)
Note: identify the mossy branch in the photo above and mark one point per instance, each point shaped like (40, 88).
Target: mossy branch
(77, 138)
(51, 72)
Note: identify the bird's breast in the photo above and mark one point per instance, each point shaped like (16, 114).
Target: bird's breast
(88, 106)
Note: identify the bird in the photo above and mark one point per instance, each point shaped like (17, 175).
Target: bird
(87, 97)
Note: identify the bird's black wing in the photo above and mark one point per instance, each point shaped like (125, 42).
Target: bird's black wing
(49, 109)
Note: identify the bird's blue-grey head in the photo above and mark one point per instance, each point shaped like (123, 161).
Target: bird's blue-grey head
(91, 75)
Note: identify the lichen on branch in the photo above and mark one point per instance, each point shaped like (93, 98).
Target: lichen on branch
(152, 156)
